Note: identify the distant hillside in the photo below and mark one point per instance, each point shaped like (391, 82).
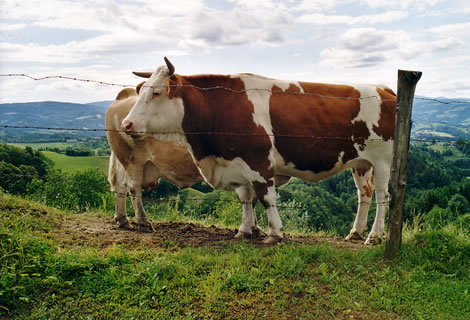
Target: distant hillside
(431, 119)
(51, 114)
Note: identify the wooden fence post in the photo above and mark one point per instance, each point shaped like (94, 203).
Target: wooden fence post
(407, 81)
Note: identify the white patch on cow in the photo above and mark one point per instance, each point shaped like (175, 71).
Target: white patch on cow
(258, 91)
(369, 111)
(227, 174)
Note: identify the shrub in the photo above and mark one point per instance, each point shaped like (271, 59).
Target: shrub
(79, 191)
(437, 218)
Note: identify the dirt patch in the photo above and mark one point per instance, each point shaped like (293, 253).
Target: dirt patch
(102, 233)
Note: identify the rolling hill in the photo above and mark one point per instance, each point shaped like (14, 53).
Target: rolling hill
(441, 118)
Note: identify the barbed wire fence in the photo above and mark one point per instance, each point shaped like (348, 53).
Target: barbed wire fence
(160, 199)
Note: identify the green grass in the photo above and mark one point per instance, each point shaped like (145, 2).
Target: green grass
(66, 163)
(43, 279)
(70, 164)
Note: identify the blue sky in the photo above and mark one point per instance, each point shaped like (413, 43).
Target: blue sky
(334, 41)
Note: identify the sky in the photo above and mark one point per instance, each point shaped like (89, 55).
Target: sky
(333, 41)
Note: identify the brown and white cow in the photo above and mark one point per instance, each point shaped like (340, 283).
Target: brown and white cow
(243, 129)
(139, 164)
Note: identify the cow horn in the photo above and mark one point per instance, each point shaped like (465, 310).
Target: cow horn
(171, 67)
(142, 74)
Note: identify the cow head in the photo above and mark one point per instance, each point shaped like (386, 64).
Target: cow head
(157, 112)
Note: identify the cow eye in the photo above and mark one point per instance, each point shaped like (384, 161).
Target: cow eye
(156, 94)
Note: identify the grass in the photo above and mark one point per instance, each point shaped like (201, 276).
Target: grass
(70, 164)
(43, 279)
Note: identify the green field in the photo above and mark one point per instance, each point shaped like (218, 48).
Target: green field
(69, 164)
(66, 163)
(36, 146)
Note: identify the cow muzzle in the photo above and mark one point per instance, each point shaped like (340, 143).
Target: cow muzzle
(127, 127)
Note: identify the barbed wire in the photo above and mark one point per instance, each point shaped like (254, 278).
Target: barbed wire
(442, 102)
(198, 133)
(353, 138)
(195, 87)
(64, 78)
(49, 77)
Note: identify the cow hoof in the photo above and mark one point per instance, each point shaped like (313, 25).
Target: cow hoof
(257, 232)
(145, 227)
(272, 239)
(372, 241)
(241, 235)
(124, 224)
(354, 236)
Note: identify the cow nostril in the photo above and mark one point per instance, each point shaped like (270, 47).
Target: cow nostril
(127, 126)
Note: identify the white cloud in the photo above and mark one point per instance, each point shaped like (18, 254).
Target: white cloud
(454, 30)
(146, 26)
(10, 27)
(404, 4)
(365, 47)
(386, 17)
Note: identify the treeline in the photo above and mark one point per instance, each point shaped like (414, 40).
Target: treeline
(438, 193)
(30, 174)
(78, 151)
(83, 149)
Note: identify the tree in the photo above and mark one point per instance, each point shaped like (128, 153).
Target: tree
(458, 205)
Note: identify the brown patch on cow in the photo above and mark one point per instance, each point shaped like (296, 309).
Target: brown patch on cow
(138, 87)
(311, 131)
(219, 122)
(174, 85)
(386, 123)
(261, 190)
(390, 91)
(369, 190)
(360, 171)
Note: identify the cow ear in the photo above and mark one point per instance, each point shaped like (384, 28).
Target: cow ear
(137, 89)
(174, 87)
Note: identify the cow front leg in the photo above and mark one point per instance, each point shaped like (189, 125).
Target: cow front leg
(267, 195)
(143, 224)
(247, 197)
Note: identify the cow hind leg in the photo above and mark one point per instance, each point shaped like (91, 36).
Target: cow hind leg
(382, 197)
(363, 179)
(120, 215)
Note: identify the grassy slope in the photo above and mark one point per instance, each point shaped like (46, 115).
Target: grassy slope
(41, 278)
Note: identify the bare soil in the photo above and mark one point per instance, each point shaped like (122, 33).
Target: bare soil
(100, 232)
